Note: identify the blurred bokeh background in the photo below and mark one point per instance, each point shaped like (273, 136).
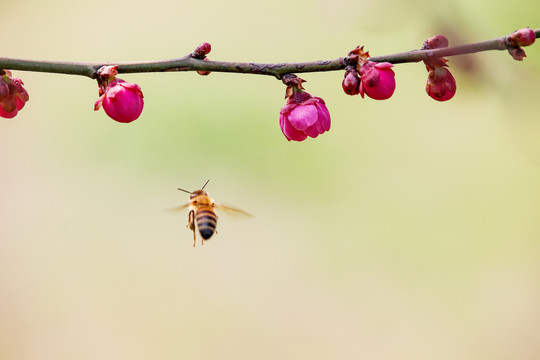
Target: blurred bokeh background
(411, 230)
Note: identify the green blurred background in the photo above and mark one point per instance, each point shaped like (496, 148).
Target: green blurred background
(409, 231)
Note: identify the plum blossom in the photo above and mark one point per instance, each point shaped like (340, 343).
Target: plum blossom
(303, 115)
(121, 100)
(13, 95)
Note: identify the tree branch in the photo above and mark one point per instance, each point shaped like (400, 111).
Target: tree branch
(188, 63)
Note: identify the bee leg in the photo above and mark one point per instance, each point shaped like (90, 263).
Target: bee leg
(191, 225)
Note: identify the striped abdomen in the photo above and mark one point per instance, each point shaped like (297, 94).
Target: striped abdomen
(206, 220)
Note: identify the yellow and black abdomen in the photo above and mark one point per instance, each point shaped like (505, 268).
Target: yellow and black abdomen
(206, 220)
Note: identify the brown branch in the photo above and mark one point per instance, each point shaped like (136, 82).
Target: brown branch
(189, 63)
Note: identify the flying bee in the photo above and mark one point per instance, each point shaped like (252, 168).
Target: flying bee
(202, 213)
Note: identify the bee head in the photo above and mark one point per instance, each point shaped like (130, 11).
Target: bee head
(196, 192)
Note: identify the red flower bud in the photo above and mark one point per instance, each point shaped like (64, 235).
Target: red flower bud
(522, 37)
(304, 115)
(378, 80)
(435, 42)
(12, 100)
(122, 101)
(351, 82)
(206, 48)
(202, 50)
(441, 85)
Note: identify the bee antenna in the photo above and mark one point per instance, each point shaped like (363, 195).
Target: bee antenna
(205, 183)
(189, 192)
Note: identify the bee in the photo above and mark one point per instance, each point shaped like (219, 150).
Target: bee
(202, 213)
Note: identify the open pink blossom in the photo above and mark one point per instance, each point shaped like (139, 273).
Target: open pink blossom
(121, 100)
(441, 85)
(378, 80)
(304, 115)
(12, 100)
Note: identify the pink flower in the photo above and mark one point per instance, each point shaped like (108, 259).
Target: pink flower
(304, 115)
(121, 100)
(378, 80)
(13, 95)
(441, 85)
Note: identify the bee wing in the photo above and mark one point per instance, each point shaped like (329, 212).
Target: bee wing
(231, 210)
(178, 208)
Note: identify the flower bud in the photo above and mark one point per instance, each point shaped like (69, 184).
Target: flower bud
(435, 42)
(121, 100)
(351, 82)
(378, 80)
(303, 115)
(202, 50)
(14, 99)
(441, 85)
(522, 37)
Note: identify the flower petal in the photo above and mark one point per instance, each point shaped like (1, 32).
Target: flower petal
(8, 115)
(97, 105)
(324, 115)
(291, 133)
(303, 116)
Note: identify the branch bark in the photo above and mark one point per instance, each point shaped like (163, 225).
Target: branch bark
(188, 63)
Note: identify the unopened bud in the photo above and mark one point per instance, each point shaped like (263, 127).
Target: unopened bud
(441, 85)
(351, 82)
(378, 80)
(202, 50)
(435, 42)
(522, 37)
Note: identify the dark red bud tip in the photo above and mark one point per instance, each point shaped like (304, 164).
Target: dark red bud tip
(351, 82)
(435, 42)
(202, 50)
(206, 47)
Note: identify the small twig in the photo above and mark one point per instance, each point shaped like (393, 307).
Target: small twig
(188, 63)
